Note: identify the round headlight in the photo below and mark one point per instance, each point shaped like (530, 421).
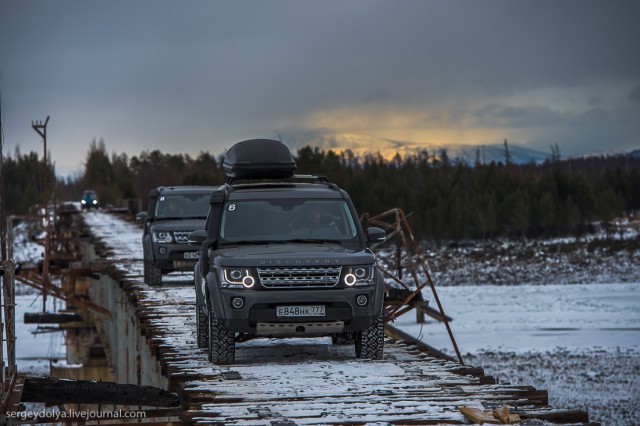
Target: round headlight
(350, 279)
(360, 272)
(235, 274)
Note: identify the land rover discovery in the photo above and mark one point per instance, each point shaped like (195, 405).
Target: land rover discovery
(173, 213)
(284, 256)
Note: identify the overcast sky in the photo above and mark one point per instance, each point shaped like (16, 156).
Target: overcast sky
(191, 76)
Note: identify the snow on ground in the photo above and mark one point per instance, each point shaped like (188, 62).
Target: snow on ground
(35, 348)
(604, 382)
(529, 317)
(580, 342)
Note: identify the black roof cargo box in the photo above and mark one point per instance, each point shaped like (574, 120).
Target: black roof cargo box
(259, 159)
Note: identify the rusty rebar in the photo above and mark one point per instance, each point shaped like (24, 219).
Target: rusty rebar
(401, 230)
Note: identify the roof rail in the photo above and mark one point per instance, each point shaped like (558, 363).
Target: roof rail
(318, 178)
(312, 178)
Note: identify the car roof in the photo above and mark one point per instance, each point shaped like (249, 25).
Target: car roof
(284, 190)
(185, 189)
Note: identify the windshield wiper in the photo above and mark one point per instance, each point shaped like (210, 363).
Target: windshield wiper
(269, 242)
(313, 240)
(252, 242)
(180, 217)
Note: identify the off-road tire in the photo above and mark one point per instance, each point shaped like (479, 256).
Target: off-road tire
(202, 328)
(152, 274)
(369, 344)
(345, 338)
(222, 345)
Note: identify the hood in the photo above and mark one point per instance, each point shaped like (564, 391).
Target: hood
(292, 255)
(178, 225)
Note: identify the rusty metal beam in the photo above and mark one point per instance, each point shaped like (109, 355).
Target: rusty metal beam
(395, 222)
(32, 280)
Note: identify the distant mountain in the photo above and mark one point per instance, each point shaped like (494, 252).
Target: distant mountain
(635, 153)
(388, 148)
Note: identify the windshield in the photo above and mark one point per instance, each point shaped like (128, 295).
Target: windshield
(182, 206)
(288, 220)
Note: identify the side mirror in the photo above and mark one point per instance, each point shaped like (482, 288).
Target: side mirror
(142, 216)
(375, 235)
(196, 238)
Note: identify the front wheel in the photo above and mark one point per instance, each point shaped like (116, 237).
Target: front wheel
(222, 345)
(369, 344)
(152, 274)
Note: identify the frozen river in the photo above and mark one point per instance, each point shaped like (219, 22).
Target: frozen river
(533, 317)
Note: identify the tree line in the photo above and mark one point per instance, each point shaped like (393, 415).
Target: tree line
(447, 199)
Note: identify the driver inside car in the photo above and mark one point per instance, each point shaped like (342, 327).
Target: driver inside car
(172, 209)
(314, 218)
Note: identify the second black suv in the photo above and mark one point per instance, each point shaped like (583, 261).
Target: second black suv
(172, 214)
(284, 258)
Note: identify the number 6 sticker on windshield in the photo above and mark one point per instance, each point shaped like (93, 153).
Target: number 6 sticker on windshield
(232, 207)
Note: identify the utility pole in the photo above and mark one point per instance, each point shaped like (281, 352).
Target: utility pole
(41, 129)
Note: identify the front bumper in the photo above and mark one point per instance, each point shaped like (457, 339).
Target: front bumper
(258, 312)
(175, 257)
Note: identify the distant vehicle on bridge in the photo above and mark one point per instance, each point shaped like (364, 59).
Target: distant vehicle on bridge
(89, 200)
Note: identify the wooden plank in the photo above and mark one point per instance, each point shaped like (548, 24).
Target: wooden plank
(54, 391)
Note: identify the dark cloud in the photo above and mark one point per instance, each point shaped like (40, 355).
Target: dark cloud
(148, 73)
(634, 95)
(510, 116)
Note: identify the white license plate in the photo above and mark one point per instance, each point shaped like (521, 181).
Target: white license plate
(191, 255)
(300, 311)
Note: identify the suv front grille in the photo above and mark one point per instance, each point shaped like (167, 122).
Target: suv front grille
(182, 237)
(299, 277)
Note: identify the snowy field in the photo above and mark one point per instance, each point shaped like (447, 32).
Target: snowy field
(580, 342)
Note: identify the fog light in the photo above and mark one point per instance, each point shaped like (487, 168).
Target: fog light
(362, 300)
(163, 250)
(237, 302)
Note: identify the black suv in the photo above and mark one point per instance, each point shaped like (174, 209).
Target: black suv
(172, 214)
(284, 257)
